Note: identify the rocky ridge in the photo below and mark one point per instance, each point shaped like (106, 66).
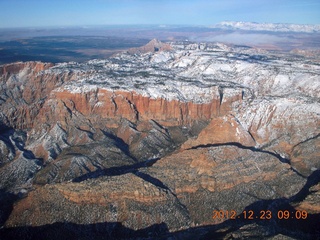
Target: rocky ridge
(164, 134)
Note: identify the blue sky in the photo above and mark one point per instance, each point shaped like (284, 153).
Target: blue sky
(32, 13)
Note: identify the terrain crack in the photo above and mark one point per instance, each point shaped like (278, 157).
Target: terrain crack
(116, 171)
(312, 180)
(291, 227)
(68, 109)
(307, 140)
(156, 182)
(253, 149)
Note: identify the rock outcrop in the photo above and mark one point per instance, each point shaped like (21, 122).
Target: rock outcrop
(153, 46)
(222, 130)
(155, 139)
(105, 200)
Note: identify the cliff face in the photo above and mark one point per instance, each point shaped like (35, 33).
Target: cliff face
(24, 90)
(155, 141)
(29, 67)
(109, 107)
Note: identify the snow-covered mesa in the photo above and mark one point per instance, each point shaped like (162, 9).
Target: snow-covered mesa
(194, 72)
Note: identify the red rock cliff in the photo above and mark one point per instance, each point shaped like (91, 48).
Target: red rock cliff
(110, 107)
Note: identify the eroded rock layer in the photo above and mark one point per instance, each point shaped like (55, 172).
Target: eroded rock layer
(153, 141)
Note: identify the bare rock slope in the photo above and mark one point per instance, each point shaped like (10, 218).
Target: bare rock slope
(152, 141)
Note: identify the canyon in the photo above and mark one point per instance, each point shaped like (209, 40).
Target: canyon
(150, 142)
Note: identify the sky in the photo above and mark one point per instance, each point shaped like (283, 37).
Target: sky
(46, 13)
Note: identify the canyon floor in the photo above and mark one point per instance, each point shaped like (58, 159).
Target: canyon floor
(175, 140)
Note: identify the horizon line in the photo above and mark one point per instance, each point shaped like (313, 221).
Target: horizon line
(160, 25)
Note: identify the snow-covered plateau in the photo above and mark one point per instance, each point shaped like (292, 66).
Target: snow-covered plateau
(193, 71)
(151, 141)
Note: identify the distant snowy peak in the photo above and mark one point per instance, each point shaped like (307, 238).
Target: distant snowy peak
(272, 27)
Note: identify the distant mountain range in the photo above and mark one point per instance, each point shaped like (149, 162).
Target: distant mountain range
(272, 27)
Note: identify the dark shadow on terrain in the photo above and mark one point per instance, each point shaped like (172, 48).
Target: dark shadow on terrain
(312, 180)
(297, 229)
(156, 182)
(265, 225)
(70, 231)
(3, 127)
(236, 144)
(9, 136)
(116, 171)
(253, 149)
(6, 205)
(258, 227)
(152, 180)
(13, 139)
(294, 226)
(120, 144)
(5, 134)
(307, 140)
(19, 139)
